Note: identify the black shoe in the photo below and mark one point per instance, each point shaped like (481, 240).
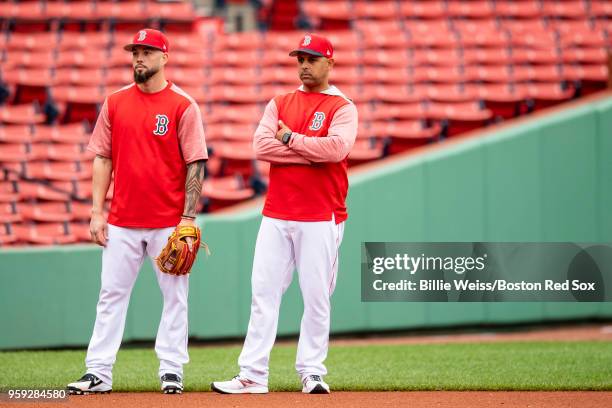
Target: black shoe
(171, 384)
(88, 384)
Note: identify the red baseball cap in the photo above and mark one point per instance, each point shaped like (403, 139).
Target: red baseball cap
(149, 38)
(314, 45)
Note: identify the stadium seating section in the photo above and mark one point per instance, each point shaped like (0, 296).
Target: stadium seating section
(418, 71)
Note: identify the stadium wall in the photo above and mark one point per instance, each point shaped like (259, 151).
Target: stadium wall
(545, 178)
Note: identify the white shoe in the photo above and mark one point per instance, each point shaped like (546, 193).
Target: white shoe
(238, 385)
(88, 384)
(313, 384)
(171, 384)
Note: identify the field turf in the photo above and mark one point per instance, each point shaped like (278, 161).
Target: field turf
(473, 366)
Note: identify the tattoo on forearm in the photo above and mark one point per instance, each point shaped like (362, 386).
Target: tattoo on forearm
(193, 186)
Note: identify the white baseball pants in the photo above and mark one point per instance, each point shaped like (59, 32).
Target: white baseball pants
(121, 261)
(282, 246)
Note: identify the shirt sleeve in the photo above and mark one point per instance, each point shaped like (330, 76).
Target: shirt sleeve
(265, 144)
(191, 135)
(338, 143)
(100, 141)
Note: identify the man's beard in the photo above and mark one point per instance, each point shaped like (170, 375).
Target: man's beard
(140, 77)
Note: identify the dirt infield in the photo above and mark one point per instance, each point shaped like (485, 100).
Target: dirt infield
(568, 333)
(416, 399)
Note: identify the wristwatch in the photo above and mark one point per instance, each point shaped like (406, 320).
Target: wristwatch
(286, 137)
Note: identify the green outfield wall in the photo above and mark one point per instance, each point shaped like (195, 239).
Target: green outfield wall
(544, 179)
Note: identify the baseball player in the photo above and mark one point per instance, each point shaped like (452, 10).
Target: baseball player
(150, 136)
(306, 135)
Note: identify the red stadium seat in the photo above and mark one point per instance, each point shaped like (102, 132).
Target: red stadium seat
(230, 188)
(334, 9)
(69, 133)
(187, 76)
(519, 9)
(436, 57)
(545, 40)
(191, 59)
(411, 110)
(7, 237)
(91, 95)
(8, 192)
(462, 117)
(39, 77)
(46, 212)
(41, 59)
(240, 41)
(594, 73)
(564, 9)
(377, 10)
(230, 131)
(177, 11)
(397, 40)
(79, 77)
(423, 9)
(9, 212)
(240, 76)
(398, 93)
(80, 11)
(248, 114)
(87, 58)
(28, 190)
(536, 56)
(452, 92)
(61, 151)
(584, 38)
(387, 58)
(234, 150)
(492, 73)
(406, 129)
(397, 76)
(601, 8)
(452, 74)
(14, 152)
(543, 73)
(79, 41)
(504, 100)
(21, 114)
(44, 233)
(370, 28)
(471, 9)
(486, 56)
(80, 189)
(38, 41)
(236, 94)
(242, 58)
(58, 170)
(468, 111)
(491, 39)
(366, 150)
(81, 231)
(15, 133)
(549, 94)
(124, 10)
(117, 78)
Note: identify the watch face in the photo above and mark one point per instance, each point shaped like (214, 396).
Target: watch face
(286, 137)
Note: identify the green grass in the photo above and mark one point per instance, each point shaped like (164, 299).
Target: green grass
(480, 366)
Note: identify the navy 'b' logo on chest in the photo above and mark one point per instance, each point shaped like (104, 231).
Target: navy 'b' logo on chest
(317, 121)
(161, 127)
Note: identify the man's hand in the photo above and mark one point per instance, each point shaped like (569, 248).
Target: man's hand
(189, 222)
(98, 228)
(282, 129)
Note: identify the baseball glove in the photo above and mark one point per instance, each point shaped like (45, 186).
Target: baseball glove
(176, 258)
